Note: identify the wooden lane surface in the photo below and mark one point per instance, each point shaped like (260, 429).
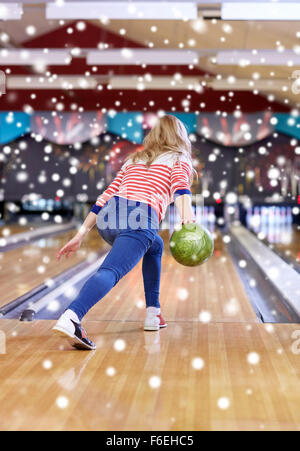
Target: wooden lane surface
(44, 384)
(12, 229)
(292, 248)
(26, 267)
(213, 290)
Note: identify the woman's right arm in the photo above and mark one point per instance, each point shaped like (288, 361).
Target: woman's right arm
(181, 191)
(184, 205)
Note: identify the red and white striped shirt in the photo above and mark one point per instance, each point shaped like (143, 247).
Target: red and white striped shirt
(155, 185)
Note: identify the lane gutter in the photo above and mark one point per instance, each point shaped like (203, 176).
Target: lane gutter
(267, 299)
(24, 238)
(30, 302)
(289, 260)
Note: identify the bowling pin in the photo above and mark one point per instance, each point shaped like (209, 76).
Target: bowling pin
(277, 218)
(283, 216)
(255, 221)
(289, 216)
(248, 217)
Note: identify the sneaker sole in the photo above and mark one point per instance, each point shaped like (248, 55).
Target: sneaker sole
(154, 328)
(72, 339)
(151, 328)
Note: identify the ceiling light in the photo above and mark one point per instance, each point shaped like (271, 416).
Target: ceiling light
(141, 56)
(262, 57)
(11, 11)
(29, 57)
(122, 10)
(260, 11)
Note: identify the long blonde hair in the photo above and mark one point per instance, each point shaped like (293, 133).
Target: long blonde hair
(168, 134)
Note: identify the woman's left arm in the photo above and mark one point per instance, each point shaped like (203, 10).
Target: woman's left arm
(110, 191)
(74, 244)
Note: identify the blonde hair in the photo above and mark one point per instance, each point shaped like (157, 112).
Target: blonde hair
(167, 135)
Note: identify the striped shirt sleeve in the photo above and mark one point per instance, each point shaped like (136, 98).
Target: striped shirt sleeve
(110, 191)
(180, 178)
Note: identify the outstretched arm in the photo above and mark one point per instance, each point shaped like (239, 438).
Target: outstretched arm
(74, 244)
(184, 205)
(180, 187)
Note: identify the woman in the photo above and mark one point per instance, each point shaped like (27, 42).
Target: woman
(128, 214)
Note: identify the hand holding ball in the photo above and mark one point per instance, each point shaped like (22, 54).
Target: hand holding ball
(191, 245)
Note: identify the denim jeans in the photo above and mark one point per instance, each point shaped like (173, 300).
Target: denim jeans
(131, 228)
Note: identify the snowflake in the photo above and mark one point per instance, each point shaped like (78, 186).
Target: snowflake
(110, 371)
(205, 317)
(253, 358)
(198, 363)
(223, 403)
(155, 381)
(119, 345)
(182, 294)
(47, 364)
(62, 402)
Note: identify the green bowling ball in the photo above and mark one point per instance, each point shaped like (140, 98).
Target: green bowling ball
(191, 245)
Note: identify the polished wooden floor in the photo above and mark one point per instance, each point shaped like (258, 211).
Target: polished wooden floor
(12, 229)
(152, 384)
(212, 290)
(214, 367)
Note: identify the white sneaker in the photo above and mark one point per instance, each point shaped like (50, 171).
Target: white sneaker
(68, 326)
(152, 320)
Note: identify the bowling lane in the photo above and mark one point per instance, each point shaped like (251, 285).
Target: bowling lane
(24, 268)
(214, 291)
(288, 244)
(274, 226)
(190, 376)
(284, 240)
(12, 229)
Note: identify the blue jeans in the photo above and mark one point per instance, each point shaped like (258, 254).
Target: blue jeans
(131, 227)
